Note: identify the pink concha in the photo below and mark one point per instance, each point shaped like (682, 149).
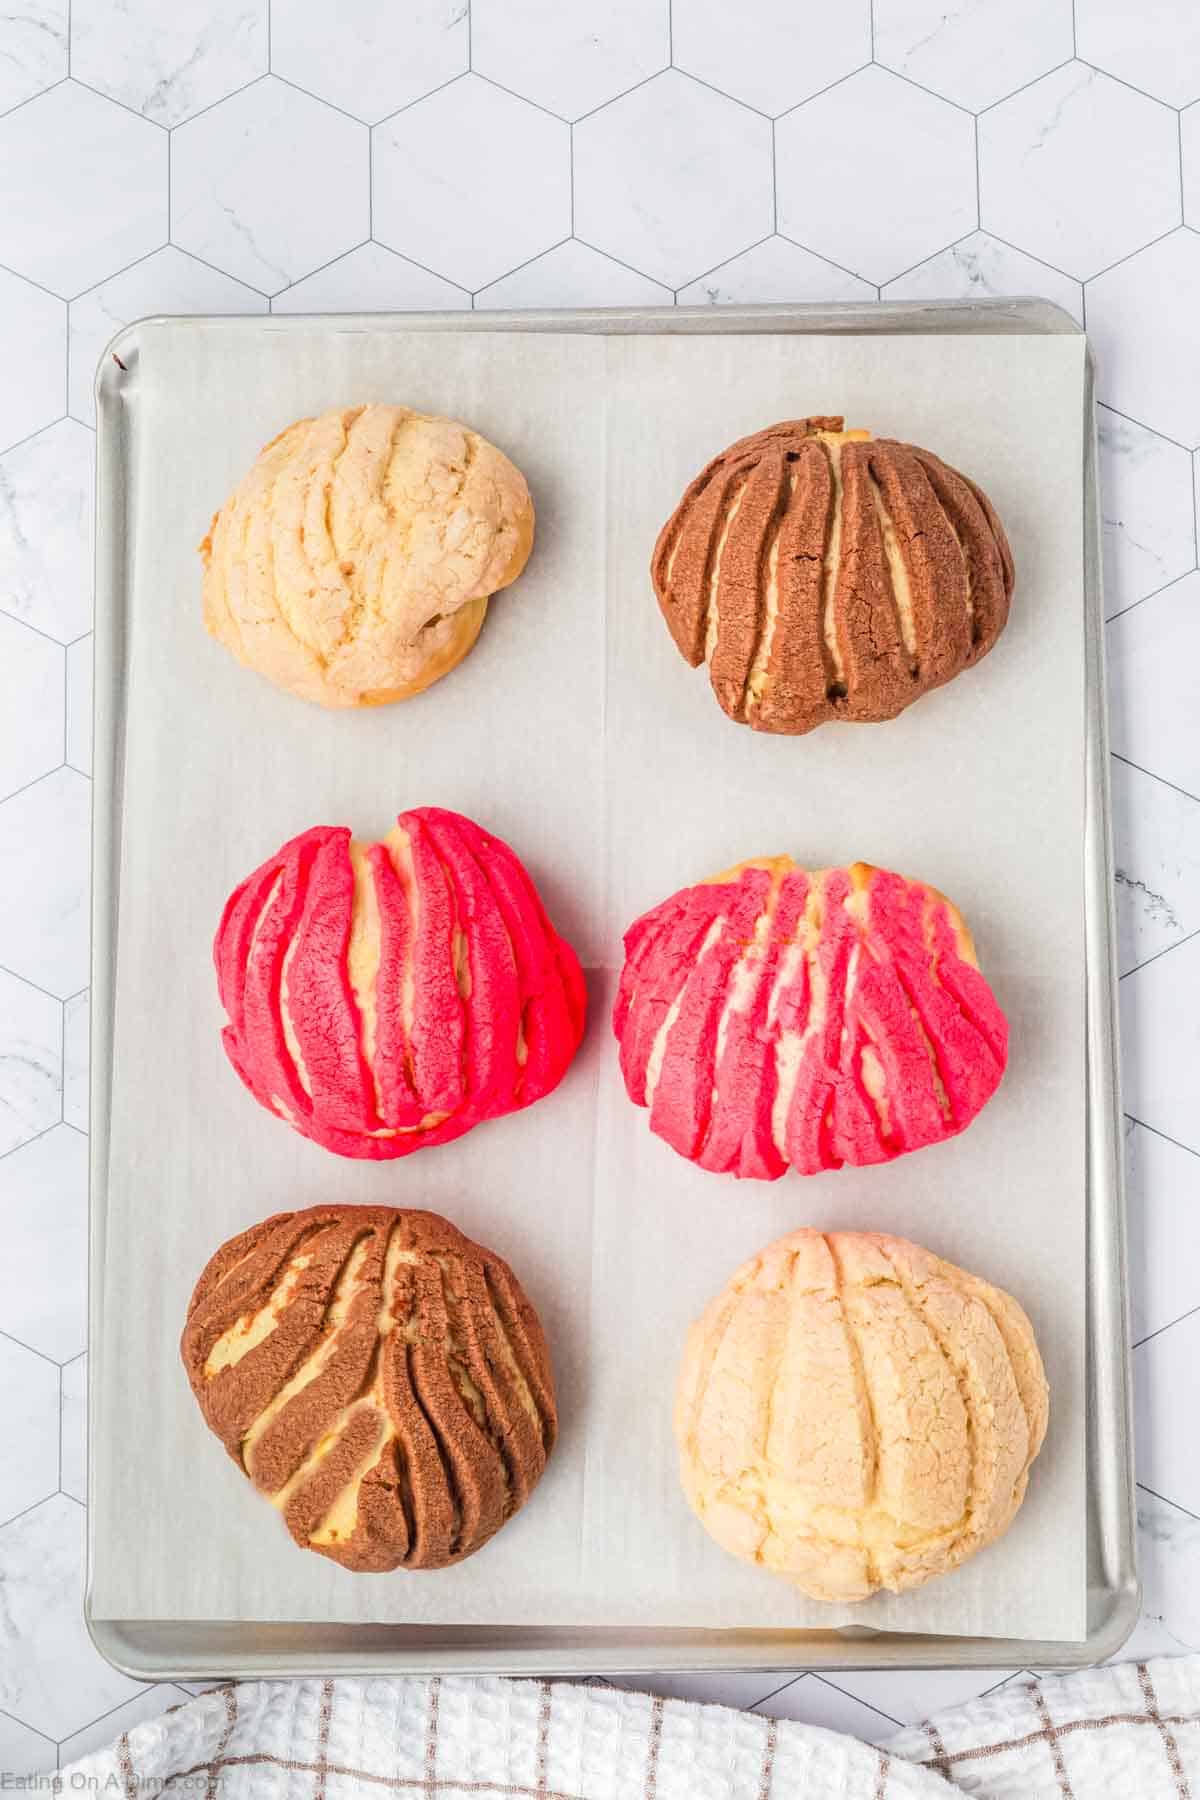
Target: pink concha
(777, 1017)
(384, 997)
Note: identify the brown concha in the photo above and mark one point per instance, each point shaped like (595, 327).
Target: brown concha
(826, 574)
(380, 1378)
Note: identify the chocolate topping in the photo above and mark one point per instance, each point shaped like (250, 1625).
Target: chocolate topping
(381, 1378)
(825, 574)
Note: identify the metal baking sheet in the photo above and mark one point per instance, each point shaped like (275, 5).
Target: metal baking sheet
(197, 1646)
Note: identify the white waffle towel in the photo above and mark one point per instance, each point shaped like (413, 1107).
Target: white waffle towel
(1125, 1733)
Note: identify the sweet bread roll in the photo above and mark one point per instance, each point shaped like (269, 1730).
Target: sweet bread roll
(825, 574)
(353, 563)
(385, 997)
(854, 1413)
(380, 1378)
(778, 1016)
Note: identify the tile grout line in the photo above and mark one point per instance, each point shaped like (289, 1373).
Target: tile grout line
(1155, 1132)
(1162, 1498)
(1159, 954)
(1169, 1326)
(1124, 611)
(848, 1695)
(1174, 786)
(21, 1341)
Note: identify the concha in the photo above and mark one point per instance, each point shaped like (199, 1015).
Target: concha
(385, 997)
(855, 1413)
(382, 1379)
(776, 1016)
(826, 574)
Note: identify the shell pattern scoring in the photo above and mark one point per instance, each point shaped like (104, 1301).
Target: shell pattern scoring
(775, 1016)
(853, 1413)
(384, 997)
(381, 1378)
(825, 574)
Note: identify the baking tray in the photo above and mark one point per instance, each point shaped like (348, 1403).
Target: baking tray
(200, 1648)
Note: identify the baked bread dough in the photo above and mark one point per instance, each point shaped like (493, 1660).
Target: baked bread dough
(385, 997)
(825, 574)
(380, 1378)
(353, 563)
(854, 1413)
(776, 1016)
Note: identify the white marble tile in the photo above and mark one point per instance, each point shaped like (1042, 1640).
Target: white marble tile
(73, 1430)
(83, 188)
(752, 50)
(43, 1274)
(875, 224)
(1160, 1044)
(1156, 847)
(979, 267)
(775, 270)
(30, 1063)
(569, 58)
(269, 185)
(1169, 1560)
(79, 705)
(911, 1695)
(574, 275)
(699, 166)
(1164, 1387)
(46, 490)
(1148, 508)
(815, 1701)
(167, 282)
(35, 49)
(468, 217)
(367, 58)
(1153, 653)
(29, 1422)
(1162, 1188)
(1154, 45)
(371, 279)
(25, 1752)
(34, 389)
(32, 675)
(736, 1688)
(1078, 170)
(974, 54)
(76, 1025)
(1141, 320)
(151, 1703)
(1189, 146)
(45, 850)
(50, 1675)
(167, 62)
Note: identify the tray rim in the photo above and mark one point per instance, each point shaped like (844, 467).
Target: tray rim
(182, 1649)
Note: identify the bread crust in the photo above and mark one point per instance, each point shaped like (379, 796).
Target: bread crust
(855, 1413)
(353, 563)
(381, 1378)
(824, 574)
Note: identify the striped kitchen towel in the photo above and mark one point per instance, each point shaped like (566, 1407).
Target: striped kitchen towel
(1130, 1732)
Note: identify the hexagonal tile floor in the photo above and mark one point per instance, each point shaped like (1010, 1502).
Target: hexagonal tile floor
(246, 156)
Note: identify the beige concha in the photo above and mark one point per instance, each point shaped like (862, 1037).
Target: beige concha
(353, 563)
(854, 1413)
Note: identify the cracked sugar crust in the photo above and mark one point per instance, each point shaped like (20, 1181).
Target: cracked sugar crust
(382, 1379)
(825, 574)
(855, 1413)
(777, 1017)
(383, 998)
(353, 563)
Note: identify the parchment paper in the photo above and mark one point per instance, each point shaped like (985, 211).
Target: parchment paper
(575, 730)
